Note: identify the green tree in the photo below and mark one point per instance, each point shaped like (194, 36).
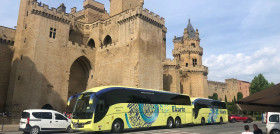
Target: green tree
(259, 83)
(239, 96)
(234, 100)
(215, 96)
(226, 98)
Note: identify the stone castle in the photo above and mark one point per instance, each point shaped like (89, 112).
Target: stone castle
(52, 55)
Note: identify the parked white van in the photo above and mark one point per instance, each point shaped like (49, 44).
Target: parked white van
(34, 121)
(272, 123)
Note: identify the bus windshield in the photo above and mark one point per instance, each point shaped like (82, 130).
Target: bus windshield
(83, 108)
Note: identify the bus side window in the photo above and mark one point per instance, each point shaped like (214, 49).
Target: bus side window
(101, 106)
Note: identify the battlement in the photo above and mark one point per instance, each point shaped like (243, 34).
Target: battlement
(197, 68)
(187, 49)
(43, 10)
(77, 45)
(144, 14)
(232, 79)
(152, 15)
(217, 83)
(6, 42)
(7, 33)
(169, 62)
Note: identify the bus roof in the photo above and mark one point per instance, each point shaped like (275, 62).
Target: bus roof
(97, 89)
(194, 99)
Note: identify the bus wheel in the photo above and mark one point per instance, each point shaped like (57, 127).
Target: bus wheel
(177, 122)
(170, 123)
(221, 120)
(202, 121)
(117, 126)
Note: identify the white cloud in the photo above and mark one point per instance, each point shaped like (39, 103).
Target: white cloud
(245, 67)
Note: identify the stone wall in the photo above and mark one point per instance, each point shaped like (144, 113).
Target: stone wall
(171, 76)
(243, 87)
(218, 87)
(58, 55)
(7, 36)
(42, 62)
(229, 88)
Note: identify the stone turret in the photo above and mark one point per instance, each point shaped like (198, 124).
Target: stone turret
(61, 8)
(188, 53)
(118, 6)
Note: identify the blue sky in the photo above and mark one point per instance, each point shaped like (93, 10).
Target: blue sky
(240, 38)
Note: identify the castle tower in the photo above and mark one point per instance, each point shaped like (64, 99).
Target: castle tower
(41, 36)
(118, 6)
(188, 53)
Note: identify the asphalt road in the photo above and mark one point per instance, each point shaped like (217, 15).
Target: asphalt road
(229, 128)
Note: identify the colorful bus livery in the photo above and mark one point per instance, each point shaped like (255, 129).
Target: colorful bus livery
(209, 111)
(119, 108)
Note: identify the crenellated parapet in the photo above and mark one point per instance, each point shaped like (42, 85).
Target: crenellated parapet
(182, 39)
(7, 36)
(217, 83)
(79, 25)
(168, 63)
(6, 42)
(144, 14)
(197, 68)
(77, 45)
(187, 49)
(44, 11)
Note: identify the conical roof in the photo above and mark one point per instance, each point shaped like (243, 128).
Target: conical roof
(191, 30)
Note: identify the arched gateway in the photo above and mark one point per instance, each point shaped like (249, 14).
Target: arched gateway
(78, 79)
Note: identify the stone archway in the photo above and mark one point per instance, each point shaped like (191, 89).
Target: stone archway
(78, 79)
(47, 106)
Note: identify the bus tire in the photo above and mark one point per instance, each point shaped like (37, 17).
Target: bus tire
(221, 120)
(117, 126)
(202, 121)
(177, 122)
(170, 123)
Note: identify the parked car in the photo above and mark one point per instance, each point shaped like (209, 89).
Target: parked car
(272, 123)
(39, 120)
(239, 118)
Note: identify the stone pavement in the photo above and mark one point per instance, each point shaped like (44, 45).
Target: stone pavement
(164, 131)
(9, 127)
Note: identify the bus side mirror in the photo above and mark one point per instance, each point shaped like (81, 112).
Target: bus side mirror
(91, 99)
(70, 98)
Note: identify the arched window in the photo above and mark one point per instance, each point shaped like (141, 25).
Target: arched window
(107, 41)
(91, 43)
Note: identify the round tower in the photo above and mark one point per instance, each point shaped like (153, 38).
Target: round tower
(188, 52)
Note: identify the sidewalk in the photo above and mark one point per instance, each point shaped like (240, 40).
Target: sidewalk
(9, 128)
